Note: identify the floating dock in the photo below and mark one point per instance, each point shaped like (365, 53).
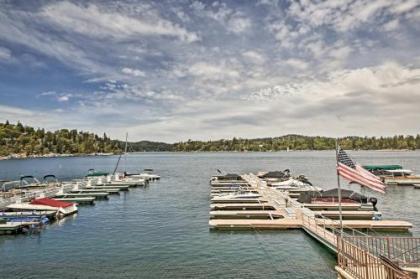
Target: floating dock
(276, 209)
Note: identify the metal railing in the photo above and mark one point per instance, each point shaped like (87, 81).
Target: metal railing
(361, 264)
(404, 251)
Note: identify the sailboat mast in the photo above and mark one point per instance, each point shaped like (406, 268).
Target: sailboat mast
(125, 152)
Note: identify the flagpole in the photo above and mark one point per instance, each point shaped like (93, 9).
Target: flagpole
(339, 188)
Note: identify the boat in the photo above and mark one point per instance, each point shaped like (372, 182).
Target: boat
(147, 175)
(233, 196)
(394, 174)
(230, 179)
(379, 170)
(332, 196)
(46, 204)
(31, 218)
(274, 176)
(93, 173)
(30, 182)
(50, 214)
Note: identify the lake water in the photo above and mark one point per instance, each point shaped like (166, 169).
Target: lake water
(161, 231)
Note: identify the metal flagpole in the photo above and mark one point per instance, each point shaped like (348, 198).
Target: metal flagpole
(339, 188)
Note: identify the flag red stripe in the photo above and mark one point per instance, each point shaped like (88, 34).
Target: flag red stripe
(355, 176)
(357, 180)
(353, 179)
(367, 174)
(364, 182)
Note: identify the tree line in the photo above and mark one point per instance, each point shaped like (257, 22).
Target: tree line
(25, 140)
(298, 142)
(20, 139)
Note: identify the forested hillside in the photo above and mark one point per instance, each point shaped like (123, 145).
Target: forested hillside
(25, 140)
(297, 142)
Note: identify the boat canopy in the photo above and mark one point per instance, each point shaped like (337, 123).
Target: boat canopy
(27, 176)
(382, 167)
(51, 202)
(96, 173)
(7, 186)
(306, 197)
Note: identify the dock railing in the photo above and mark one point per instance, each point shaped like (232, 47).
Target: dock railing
(362, 264)
(404, 251)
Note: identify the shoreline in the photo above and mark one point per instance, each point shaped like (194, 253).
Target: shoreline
(23, 157)
(52, 155)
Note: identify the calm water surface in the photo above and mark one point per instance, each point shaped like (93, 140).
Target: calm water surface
(162, 231)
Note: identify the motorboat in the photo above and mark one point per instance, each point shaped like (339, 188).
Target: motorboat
(147, 174)
(245, 195)
(230, 179)
(394, 174)
(275, 176)
(46, 204)
(332, 196)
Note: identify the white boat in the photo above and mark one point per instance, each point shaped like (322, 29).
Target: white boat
(294, 185)
(144, 175)
(46, 204)
(290, 182)
(237, 196)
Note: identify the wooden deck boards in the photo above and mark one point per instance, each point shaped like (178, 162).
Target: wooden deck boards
(286, 223)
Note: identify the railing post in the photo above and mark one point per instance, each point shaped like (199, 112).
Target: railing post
(366, 263)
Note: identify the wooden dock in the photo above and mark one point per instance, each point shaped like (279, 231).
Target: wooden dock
(276, 210)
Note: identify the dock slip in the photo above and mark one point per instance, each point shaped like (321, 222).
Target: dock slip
(359, 255)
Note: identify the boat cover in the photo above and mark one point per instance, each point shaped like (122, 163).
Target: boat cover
(275, 174)
(51, 202)
(97, 173)
(382, 167)
(348, 195)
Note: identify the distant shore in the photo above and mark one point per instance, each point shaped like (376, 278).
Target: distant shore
(51, 155)
(55, 155)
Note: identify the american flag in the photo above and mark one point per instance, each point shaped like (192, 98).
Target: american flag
(354, 172)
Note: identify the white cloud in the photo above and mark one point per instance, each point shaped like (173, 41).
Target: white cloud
(63, 98)
(391, 25)
(5, 54)
(404, 6)
(254, 56)
(297, 63)
(210, 71)
(91, 20)
(133, 72)
(239, 24)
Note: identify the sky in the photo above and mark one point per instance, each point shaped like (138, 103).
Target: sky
(204, 70)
